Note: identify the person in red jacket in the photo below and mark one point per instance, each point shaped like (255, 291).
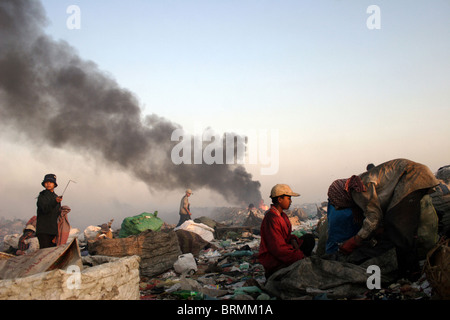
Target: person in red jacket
(279, 248)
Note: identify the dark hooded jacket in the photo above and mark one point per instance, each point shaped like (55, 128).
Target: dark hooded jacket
(48, 211)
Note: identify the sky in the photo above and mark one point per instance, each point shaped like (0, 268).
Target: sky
(334, 93)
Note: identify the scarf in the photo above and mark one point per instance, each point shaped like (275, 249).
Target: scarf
(340, 195)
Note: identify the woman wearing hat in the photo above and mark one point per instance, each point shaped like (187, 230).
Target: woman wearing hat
(279, 248)
(48, 210)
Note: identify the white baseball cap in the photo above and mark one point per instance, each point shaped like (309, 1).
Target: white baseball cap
(281, 190)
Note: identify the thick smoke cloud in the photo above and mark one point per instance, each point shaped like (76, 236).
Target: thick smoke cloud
(55, 98)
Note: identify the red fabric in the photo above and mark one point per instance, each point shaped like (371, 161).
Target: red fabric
(63, 226)
(32, 221)
(276, 250)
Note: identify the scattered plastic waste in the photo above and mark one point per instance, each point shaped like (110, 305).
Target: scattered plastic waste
(228, 269)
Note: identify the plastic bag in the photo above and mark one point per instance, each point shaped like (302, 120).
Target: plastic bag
(207, 233)
(90, 233)
(185, 264)
(12, 240)
(140, 223)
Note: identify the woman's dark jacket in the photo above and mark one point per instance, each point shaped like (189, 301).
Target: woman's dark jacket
(48, 211)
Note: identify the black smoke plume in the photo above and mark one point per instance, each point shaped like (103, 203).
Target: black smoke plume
(55, 98)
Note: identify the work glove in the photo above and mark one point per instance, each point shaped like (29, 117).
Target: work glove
(351, 244)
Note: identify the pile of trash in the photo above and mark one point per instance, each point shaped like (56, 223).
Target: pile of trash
(201, 259)
(402, 290)
(235, 216)
(252, 216)
(227, 270)
(10, 230)
(208, 259)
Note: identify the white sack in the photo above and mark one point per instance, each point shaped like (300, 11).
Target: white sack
(90, 233)
(207, 233)
(12, 240)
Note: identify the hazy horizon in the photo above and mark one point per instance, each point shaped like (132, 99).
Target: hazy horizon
(340, 95)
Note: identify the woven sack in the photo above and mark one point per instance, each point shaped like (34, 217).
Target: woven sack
(437, 269)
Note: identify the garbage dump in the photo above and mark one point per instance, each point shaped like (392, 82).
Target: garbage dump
(215, 257)
(228, 269)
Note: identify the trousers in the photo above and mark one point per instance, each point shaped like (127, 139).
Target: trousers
(46, 240)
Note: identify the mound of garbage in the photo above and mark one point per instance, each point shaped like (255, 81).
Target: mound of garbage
(214, 259)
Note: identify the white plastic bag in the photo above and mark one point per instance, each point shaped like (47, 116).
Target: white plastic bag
(12, 240)
(207, 233)
(90, 233)
(185, 264)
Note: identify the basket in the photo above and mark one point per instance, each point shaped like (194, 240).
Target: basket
(437, 269)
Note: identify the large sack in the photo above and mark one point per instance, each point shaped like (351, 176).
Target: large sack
(207, 233)
(42, 260)
(63, 226)
(314, 275)
(116, 279)
(140, 223)
(437, 269)
(208, 221)
(441, 203)
(158, 250)
(427, 233)
(322, 229)
(191, 242)
(12, 240)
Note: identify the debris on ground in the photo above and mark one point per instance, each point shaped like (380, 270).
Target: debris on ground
(210, 259)
(229, 270)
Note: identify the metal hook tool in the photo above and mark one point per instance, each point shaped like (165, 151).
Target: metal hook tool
(67, 186)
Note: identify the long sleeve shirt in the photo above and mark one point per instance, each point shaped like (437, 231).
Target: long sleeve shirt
(276, 250)
(387, 184)
(48, 211)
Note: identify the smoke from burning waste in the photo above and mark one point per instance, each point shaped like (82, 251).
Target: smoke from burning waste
(58, 99)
